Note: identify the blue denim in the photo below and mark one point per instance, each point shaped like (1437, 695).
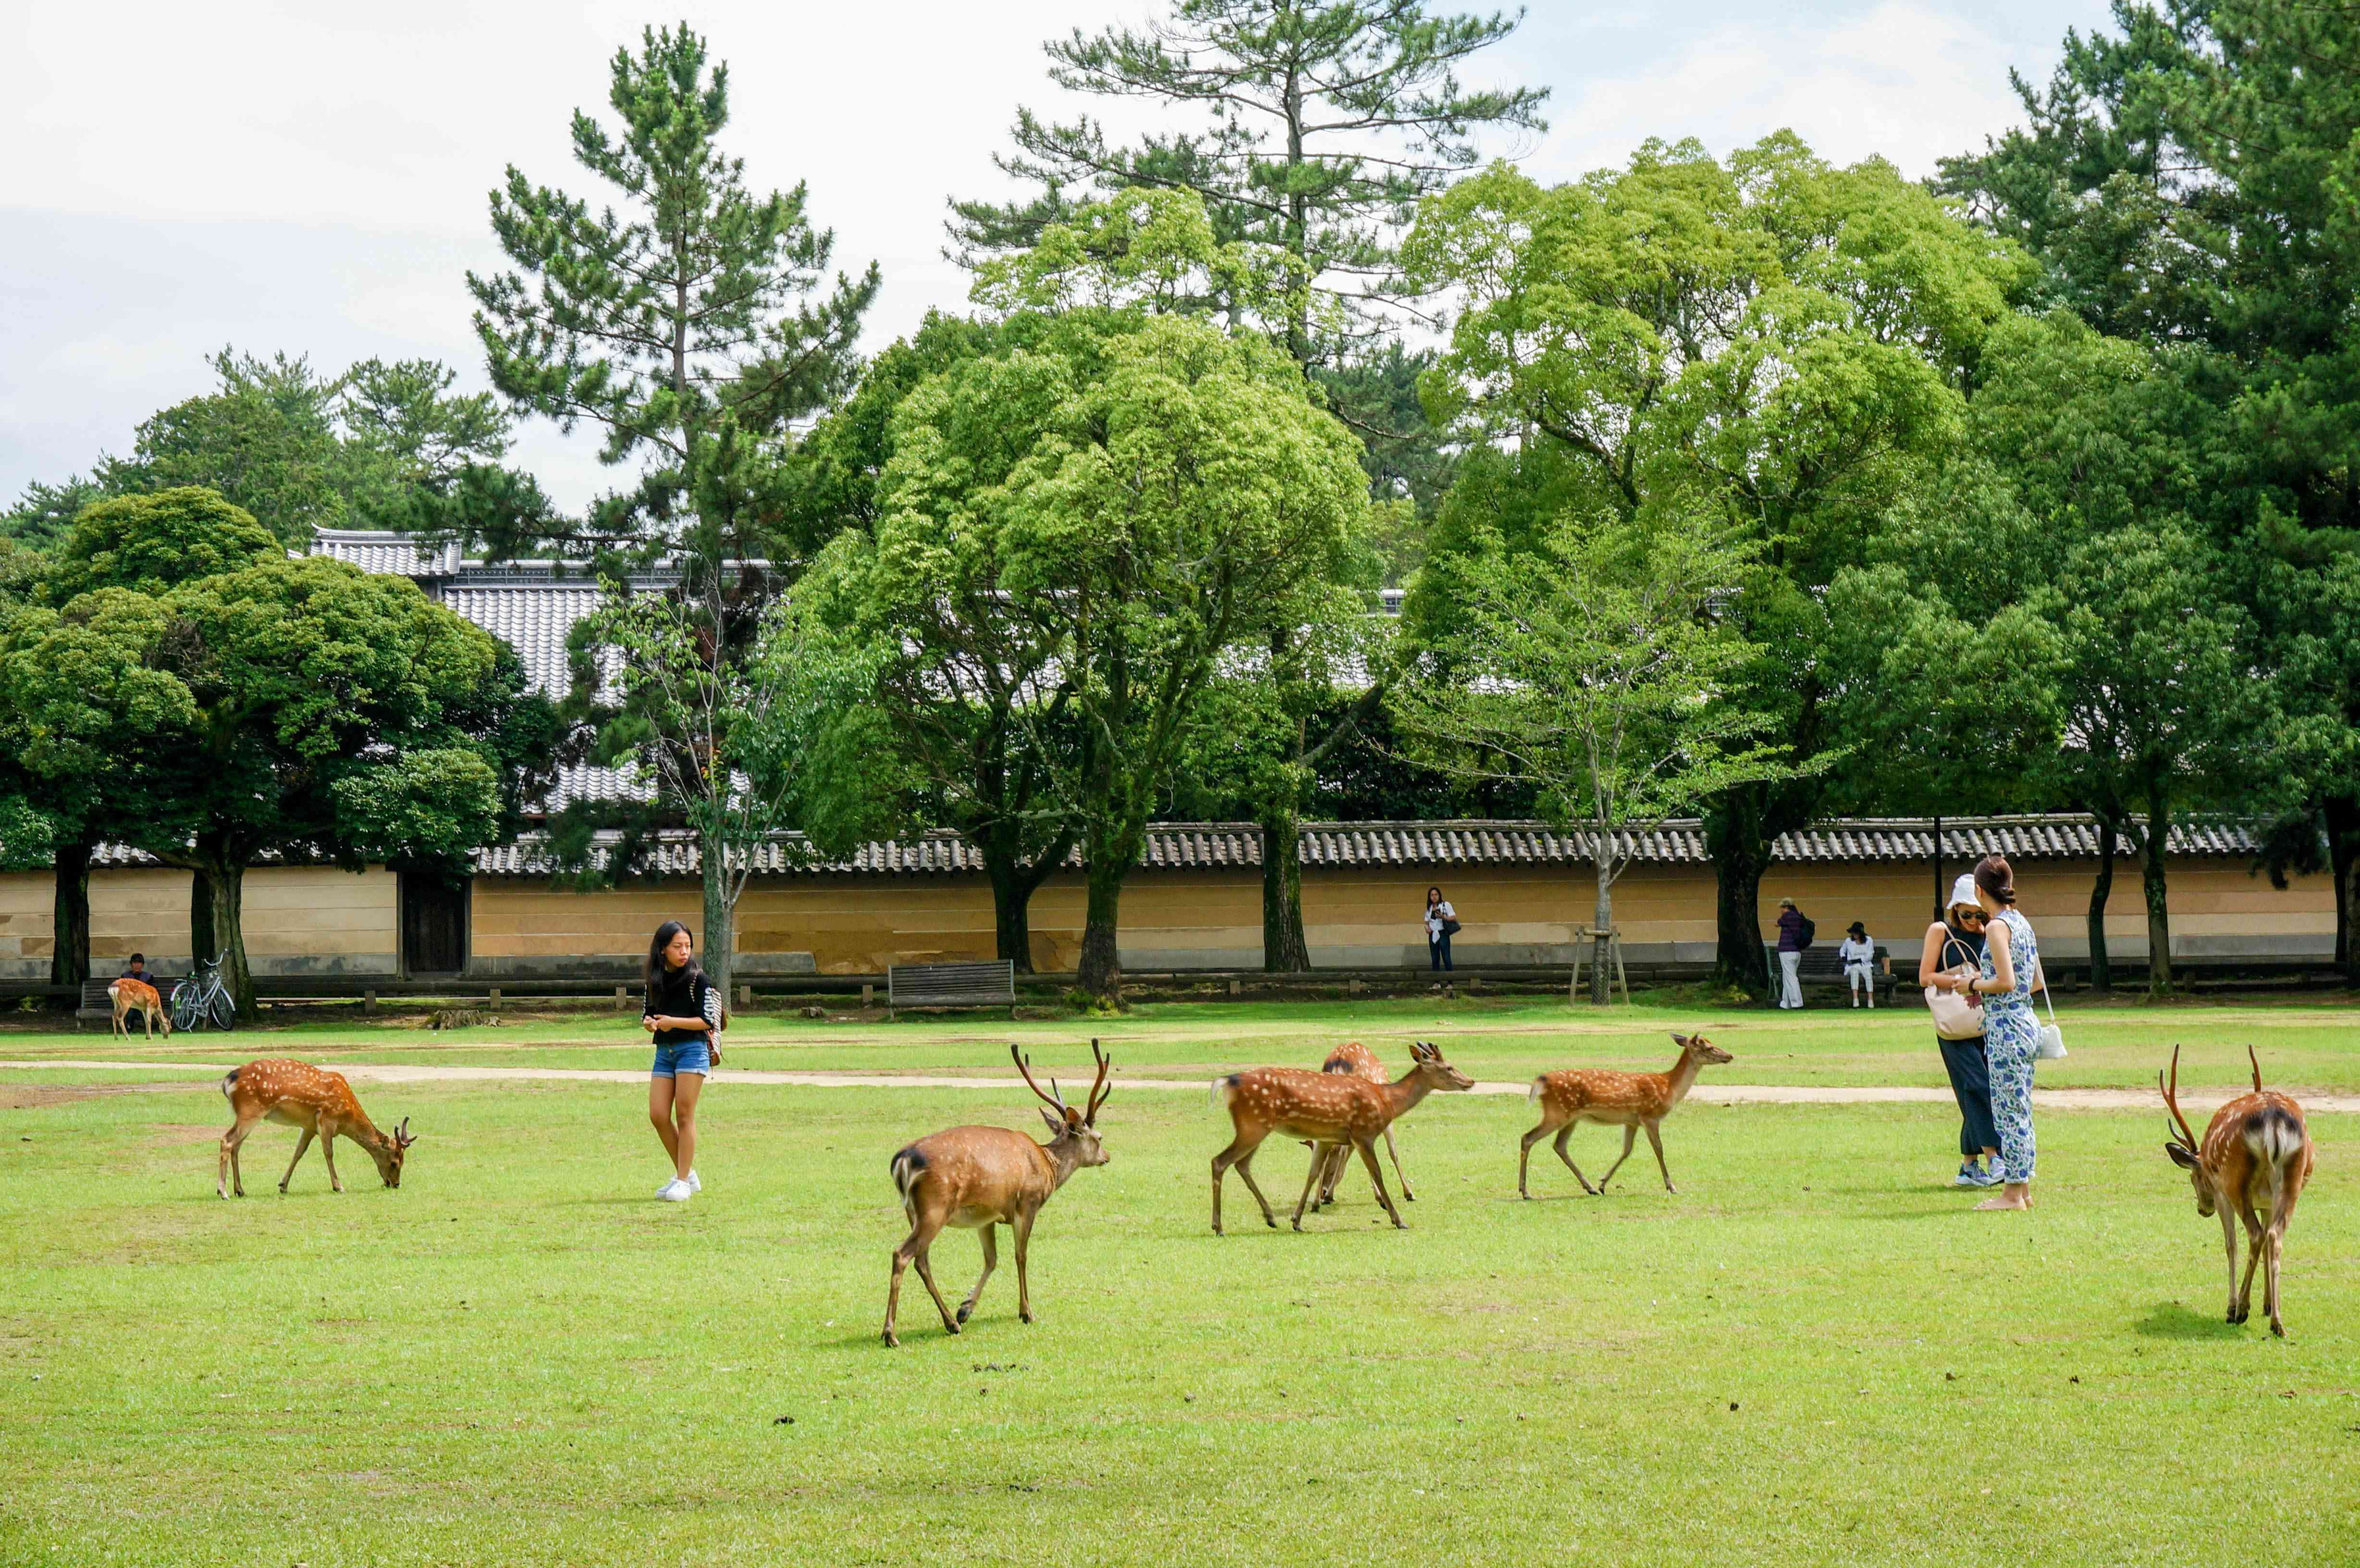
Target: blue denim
(689, 1056)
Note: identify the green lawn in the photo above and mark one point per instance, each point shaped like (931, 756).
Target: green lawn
(1813, 1354)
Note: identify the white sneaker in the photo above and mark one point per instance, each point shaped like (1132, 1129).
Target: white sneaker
(693, 1184)
(675, 1191)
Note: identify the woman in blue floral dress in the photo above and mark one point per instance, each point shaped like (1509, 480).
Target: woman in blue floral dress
(2010, 1031)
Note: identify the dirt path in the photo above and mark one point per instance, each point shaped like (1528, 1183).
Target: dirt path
(199, 1073)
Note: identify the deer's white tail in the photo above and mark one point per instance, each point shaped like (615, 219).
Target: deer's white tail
(1540, 1081)
(1223, 1087)
(908, 1165)
(229, 1083)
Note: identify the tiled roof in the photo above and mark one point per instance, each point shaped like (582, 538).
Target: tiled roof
(393, 554)
(1198, 846)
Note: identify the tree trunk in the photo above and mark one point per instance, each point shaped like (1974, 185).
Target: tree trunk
(1109, 859)
(2158, 911)
(70, 916)
(1284, 950)
(226, 878)
(1740, 960)
(2342, 814)
(204, 945)
(719, 941)
(2101, 970)
(1601, 985)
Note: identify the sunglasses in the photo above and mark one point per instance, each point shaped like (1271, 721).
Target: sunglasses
(1974, 915)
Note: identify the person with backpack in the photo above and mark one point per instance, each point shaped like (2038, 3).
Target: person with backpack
(1795, 934)
(683, 1012)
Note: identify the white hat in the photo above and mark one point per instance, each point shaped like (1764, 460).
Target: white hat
(1963, 891)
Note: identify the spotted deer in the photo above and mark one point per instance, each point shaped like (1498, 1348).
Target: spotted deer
(1357, 1060)
(127, 993)
(1328, 1109)
(1628, 1100)
(973, 1178)
(315, 1100)
(2257, 1150)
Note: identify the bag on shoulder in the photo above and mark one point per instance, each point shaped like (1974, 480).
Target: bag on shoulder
(1810, 931)
(2052, 1038)
(1451, 928)
(1958, 1015)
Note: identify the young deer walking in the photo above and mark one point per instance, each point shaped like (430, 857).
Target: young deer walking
(1357, 1060)
(1627, 1100)
(313, 1099)
(127, 993)
(2256, 1151)
(1329, 1109)
(978, 1177)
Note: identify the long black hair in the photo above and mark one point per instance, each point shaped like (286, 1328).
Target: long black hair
(664, 933)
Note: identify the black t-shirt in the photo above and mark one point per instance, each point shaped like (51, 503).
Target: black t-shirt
(681, 994)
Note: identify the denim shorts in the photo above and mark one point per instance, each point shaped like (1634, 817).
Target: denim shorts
(688, 1056)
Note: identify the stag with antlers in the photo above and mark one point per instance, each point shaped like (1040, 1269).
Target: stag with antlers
(978, 1177)
(1329, 1110)
(319, 1103)
(2256, 1152)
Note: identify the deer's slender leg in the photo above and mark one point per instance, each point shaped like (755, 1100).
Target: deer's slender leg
(1394, 1150)
(1564, 1135)
(924, 1228)
(990, 1262)
(229, 1142)
(2254, 1236)
(1524, 1159)
(301, 1144)
(1331, 1166)
(1311, 1180)
(926, 1262)
(2229, 1244)
(1241, 1154)
(1655, 1142)
(1630, 1137)
(1024, 1229)
(328, 1153)
(1368, 1148)
(1245, 1170)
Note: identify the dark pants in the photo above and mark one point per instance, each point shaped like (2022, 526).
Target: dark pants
(1437, 948)
(1971, 1082)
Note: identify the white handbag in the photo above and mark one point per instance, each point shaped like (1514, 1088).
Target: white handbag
(2052, 1038)
(1957, 1016)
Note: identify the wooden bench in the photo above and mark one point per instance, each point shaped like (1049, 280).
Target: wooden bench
(1822, 965)
(991, 985)
(97, 1007)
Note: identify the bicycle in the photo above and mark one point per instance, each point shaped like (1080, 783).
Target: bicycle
(202, 999)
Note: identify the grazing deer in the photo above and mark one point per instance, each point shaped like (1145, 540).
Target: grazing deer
(2256, 1148)
(127, 993)
(319, 1101)
(1330, 1109)
(1627, 1100)
(1357, 1060)
(978, 1177)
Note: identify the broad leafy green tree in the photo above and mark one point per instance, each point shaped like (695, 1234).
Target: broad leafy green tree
(267, 442)
(1772, 343)
(689, 323)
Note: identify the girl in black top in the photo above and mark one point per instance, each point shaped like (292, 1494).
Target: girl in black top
(682, 1012)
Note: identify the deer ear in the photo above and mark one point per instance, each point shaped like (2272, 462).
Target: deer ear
(1057, 1120)
(1679, 1038)
(2180, 1156)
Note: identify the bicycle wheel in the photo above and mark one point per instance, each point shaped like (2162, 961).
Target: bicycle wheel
(183, 1005)
(224, 1011)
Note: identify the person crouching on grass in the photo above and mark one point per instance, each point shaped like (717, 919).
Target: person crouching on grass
(683, 1012)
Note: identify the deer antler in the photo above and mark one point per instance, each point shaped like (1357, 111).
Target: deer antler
(2186, 1136)
(2258, 1068)
(1025, 1067)
(1101, 1090)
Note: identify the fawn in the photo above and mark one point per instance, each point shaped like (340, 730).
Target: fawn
(1357, 1060)
(1330, 1109)
(2257, 1147)
(978, 1177)
(1628, 1100)
(319, 1101)
(127, 993)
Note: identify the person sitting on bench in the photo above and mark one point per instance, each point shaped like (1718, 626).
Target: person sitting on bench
(136, 968)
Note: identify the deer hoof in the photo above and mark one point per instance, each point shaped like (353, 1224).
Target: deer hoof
(2277, 1328)
(950, 1328)
(1024, 1317)
(892, 1340)
(966, 1311)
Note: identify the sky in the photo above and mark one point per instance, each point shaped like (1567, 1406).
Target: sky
(281, 176)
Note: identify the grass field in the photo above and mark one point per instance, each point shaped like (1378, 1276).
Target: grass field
(1813, 1353)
